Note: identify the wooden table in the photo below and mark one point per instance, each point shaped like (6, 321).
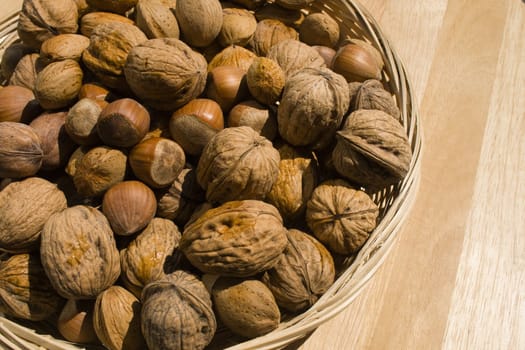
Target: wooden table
(456, 277)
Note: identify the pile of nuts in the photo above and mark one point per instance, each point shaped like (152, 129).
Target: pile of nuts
(171, 166)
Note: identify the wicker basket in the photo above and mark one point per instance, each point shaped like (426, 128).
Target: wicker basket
(354, 272)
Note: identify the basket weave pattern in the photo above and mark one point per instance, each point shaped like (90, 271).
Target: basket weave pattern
(394, 202)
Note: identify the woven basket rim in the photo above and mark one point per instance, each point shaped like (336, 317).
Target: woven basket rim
(371, 256)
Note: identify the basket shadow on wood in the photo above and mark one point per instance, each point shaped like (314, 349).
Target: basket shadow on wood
(355, 271)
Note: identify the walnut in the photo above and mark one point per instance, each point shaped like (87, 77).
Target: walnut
(305, 272)
(341, 217)
(98, 170)
(177, 313)
(246, 307)
(265, 79)
(26, 71)
(178, 201)
(20, 151)
(165, 73)
(56, 143)
(237, 163)
(25, 291)
(116, 319)
(110, 44)
(310, 116)
(233, 55)
(372, 95)
(296, 181)
(238, 239)
(200, 21)
(156, 19)
(293, 56)
(25, 206)
(58, 84)
(91, 20)
(79, 253)
(372, 149)
(64, 46)
(270, 32)
(319, 29)
(151, 255)
(42, 19)
(238, 26)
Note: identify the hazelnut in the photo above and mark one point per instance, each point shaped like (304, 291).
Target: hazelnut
(356, 63)
(123, 123)
(157, 161)
(129, 207)
(20, 150)
(327, 53)
(95, 92)
(17, 104)
(75, 322)
(54, 140)
(227, 86)
(251, 113)
(81, 122)
(194, 124)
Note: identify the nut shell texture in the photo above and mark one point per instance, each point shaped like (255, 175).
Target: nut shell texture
(21, 151)
(372, 149)
(304, 272)
(165, 73)
(177, 313)
(200, 21)
(312, 107)
(25, 291)
(25, 206)
(79, 253)
(293, 55)
(238, 239)
(237, 163)
(341, 217)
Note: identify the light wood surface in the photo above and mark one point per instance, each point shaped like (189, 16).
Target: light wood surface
(456, 276)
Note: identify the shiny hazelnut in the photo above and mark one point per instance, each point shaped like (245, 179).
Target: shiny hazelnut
(194, 124)
(17, 104)
(327, 53)
(227, 86)
(95, 92)
(123, 123)
(157, 161)
(75, 322)
(129, 206)
(251, 113)
(356, 63)
(81, 122)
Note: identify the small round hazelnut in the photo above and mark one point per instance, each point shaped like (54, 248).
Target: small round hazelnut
(123, 123)
(75, 322)
(20, 150)
(81, 122)
(56, 143)
(129, 207)
(17, 104)
(227, 86)
(265, 80)
(356, 63)
(251, 113)
(157, 161)
(194, 124)
(327, 53)
(95, 92)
